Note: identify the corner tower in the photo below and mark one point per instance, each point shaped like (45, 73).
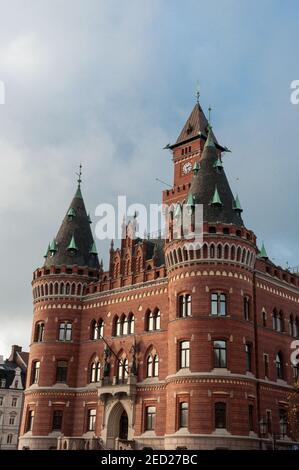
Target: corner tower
(71, 263)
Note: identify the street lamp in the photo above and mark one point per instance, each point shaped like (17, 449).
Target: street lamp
(263, 430)
(283, 427)
(263, 427)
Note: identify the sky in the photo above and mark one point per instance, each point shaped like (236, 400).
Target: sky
(109, 84)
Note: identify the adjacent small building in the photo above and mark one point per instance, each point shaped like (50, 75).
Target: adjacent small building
(12, 384)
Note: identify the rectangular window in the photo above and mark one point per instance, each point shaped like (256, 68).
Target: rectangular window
(14, 401)
(185, 305)
(248, 352)
(246, 308)
(65, 331)
(35, 372)
(183, 415)
(12, 420)
(150, 418)
(61, 372)
(3, 383)
(220, 415)
(57, 420)
(91, 420)
(1, 401)
(9, 439)
(250, 418)
(283, 421)
(184, 354)
(218, 304)
(220, 357)
(30, 419)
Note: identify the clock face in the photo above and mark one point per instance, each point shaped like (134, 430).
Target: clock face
(187, 168)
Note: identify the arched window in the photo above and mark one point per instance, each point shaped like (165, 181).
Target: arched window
(150, 323)
(275, 319)
(149, 366)
(157, 320)
(156, 366)
(152, 365)
(279, 365)
(118, 327)
(39, 332)
(122, 369)
(296, 327)
(95, 371)
(124, 321)
(246, 308)
(280, 323)
(264, 318)
(131, 324)
(291, 325)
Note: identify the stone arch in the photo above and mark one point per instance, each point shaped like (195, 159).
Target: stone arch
(219, 251)
(113, 422)
(212, 251)
(232, 252)
(180, 256)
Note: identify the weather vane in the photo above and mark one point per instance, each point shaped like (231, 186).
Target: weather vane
(79, 174)
(197, 92)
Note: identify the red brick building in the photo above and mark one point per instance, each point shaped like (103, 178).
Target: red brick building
(199, 340)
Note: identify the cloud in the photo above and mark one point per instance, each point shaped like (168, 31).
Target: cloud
(109, 84)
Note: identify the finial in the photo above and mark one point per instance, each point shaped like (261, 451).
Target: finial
(210, 109)
(79, 180)
(197, 92)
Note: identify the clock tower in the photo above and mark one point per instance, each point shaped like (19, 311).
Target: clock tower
(186, 152)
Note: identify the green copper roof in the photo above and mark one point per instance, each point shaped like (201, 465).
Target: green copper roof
(218, 164)
(71, 212)
(53, 246)
(263, 253)
(93, 249)
(78, 193)
(216, 198)
(47, 252)
(237, 205)
(210, 141)
(178, 210)
(196, 168)
(190, 200)
(72, 244)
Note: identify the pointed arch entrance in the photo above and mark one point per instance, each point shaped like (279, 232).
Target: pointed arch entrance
(117, 425)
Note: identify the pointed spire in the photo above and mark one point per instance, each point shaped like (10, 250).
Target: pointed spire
(93, 249)
(262, 252)
(216, 201)
(74, 238)
(236, 205)
(72, 245)
(53, 246)
(210, 140)
(196, 168)
(47, 251)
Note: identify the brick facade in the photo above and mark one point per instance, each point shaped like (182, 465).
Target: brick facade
(136, 284)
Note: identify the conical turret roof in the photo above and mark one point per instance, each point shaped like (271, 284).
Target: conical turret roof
(74, 239)
(203, 188)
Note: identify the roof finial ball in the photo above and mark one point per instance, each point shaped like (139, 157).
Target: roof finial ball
(79, 180)
(210, 109)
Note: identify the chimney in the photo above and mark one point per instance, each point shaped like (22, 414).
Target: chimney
(14, 349)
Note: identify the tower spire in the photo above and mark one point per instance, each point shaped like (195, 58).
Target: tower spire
(197, 94)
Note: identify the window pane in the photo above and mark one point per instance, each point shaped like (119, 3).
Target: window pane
(222, 304)
(214, 306)
(183, 420)
(220, 415)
